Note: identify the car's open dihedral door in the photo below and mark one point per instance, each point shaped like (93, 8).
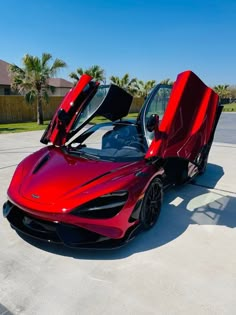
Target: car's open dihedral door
(66, 113)
(188, 121)
(86, 100)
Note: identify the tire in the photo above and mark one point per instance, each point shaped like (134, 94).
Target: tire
(151, 206)
(204, 159)
(203, 165)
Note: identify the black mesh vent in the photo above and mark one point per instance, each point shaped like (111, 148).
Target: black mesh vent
(104, 207)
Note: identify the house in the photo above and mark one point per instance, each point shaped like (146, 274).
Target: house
(5, 83)
(61, 86)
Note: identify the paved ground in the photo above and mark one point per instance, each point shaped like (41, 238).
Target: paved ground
(226, 129)
(185, 265)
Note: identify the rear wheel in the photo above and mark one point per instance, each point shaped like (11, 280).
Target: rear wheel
(203, 163)
(202, 166)
(151, 206)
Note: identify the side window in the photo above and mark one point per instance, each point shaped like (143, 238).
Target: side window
(92, 106)
(156, 105)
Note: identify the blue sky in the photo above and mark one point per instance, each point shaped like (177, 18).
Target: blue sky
(152, 39)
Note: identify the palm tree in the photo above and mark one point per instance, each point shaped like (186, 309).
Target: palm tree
(145, 87)
(95, 71)
(232, 90)
(222, 90)
(167, 82)
(32, 79)
(125, 82)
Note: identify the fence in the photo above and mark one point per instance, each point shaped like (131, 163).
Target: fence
(14, 108)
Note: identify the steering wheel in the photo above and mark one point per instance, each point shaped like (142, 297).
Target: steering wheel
(133, 142)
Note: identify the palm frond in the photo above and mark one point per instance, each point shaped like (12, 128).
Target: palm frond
(167, 81)
(80, 71)
(45, 96)
(74, 76)
(57, 64)
(45, 59)
(30, 96)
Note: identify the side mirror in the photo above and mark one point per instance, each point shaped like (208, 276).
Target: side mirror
(153, 123)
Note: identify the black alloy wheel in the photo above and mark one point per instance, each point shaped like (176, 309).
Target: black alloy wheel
(151, 206)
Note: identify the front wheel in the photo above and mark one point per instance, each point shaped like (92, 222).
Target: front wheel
(151, 206)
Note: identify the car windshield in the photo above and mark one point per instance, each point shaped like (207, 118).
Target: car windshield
(116, 142)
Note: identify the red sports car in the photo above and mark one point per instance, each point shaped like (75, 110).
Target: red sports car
(98, 186)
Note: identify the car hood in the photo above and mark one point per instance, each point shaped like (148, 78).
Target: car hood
(50, 175)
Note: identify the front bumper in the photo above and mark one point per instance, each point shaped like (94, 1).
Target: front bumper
(67, 234)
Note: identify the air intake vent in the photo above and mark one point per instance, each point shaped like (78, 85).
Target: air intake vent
(41, 163)
(104, 207)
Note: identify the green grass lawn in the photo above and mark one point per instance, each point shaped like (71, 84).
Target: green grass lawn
(230, 107)
(31, 126)
(22, 127)
(100, 119)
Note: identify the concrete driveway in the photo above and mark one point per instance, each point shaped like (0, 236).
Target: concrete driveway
(184, 265)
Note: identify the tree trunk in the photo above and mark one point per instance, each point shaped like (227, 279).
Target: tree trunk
(39, 110)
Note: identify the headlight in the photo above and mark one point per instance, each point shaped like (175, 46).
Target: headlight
(104, 207)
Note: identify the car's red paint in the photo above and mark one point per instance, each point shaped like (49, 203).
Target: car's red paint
(69, 185)
(188, 120)
(50, 185)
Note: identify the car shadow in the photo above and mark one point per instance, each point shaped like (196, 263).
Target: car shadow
(211, 177)
(4, 310)
(182, 206)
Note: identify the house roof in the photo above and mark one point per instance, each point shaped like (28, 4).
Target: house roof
(5, 79)
(4, 75)
(58, 82)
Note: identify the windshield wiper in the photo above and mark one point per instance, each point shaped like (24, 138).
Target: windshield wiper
(89, 155)
(82, 154)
